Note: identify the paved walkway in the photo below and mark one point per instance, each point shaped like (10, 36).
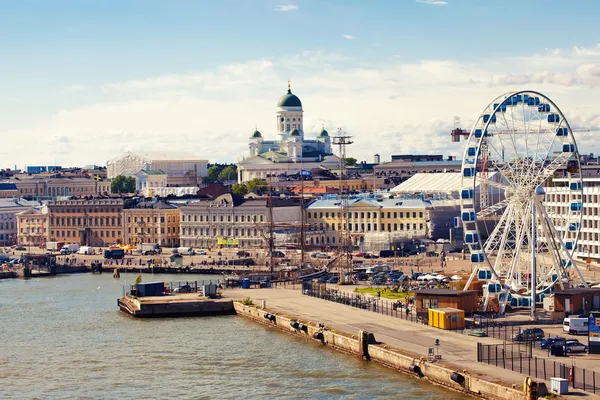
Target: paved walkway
(455, 348)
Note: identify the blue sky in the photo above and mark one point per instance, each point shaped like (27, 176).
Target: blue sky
(154, 67)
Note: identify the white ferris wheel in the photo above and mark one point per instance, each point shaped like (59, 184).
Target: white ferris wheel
(521, 243)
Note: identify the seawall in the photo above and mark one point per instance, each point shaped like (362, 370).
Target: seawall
(436, 372)
(184, 305)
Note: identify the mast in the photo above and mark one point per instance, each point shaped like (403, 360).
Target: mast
(271, 226)
(302, 220)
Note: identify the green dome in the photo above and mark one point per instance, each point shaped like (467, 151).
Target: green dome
(295, 132)
(289, 100)
(323, 133)
(256, 134)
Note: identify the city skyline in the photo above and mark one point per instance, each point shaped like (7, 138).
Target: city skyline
(85, 83)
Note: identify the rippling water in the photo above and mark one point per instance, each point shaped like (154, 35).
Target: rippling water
(63, 338)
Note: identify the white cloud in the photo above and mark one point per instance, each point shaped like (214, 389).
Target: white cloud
(349, 37)
(388, 107)
(286, 7)
(433, 2)
(584, 51)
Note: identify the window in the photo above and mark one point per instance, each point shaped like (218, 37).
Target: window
(395, 227)
(309, 215)
(288, 127)
(402, 215)
(421, 215)
(395, 215)
(415, 215)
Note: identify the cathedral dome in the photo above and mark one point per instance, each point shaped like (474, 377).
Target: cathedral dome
(256, 134)
(295, 132)
(323, 133)
(289, 100)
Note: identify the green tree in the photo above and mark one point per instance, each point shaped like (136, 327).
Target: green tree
(228, 173)
(350, 161)
(213, 172)
(239, 189)
(122, 184)
(256, 184)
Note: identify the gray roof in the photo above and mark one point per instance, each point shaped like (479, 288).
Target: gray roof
(380, 203)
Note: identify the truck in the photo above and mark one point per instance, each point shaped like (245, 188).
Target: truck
(69, 248)
(114, 254)
(186, 251)
(148, 248)
(54, 246)
(86, 250)
(573, 326)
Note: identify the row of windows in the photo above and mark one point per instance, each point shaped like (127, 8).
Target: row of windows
(7, 225)
(75, 234)
(89, 210)
(223, 218)
(206, 231)
(84, 222)
(590, 199)
(32, 230)
(367, 214)
(148, 219)
(361, 227)
(149, 230)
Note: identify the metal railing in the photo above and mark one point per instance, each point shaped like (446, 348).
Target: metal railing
(518, 357)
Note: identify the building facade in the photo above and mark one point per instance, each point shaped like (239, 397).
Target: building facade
(97, 222)
(9, 211)
(35, 187)
(33, 227)
(291, 152)
(373, 224)
(235, 222)
(152, 223)
(148, 180)
(182, 168)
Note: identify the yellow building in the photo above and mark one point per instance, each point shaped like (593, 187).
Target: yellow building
(32, 227)
(152, 223)
(97, 222)
(373, 224)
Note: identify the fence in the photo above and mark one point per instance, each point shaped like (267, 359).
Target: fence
(518, 357)
(364, 302)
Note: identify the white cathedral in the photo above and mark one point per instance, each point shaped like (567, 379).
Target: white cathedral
(290, 152)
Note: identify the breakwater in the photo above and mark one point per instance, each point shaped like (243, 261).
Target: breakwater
(437, 372)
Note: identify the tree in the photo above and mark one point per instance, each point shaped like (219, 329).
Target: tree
(350, 161)
(122, 184)
(228, 173)
(239, 189)
(213, 173)
(256, 184)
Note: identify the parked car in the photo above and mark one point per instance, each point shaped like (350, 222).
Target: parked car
(369, 255)
(242, 253)
(149, 253)
(320, 255)
(183, 289)
(573, 346)
(200, 252)
(546, 344)
(529, 334)
(333, 279)
(361, 254)
(20, 248)
(278, 254)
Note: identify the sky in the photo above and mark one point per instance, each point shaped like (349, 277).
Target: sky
(83, 82)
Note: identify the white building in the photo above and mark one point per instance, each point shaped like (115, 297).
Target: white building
(148, 180)
(291, 152)
(183, 169)
(558, 202)
(9, 208)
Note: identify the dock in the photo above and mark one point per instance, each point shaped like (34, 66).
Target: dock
(174, 305)
(8, 274)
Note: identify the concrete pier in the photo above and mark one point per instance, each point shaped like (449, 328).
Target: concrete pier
(174, 305)
(8, 274)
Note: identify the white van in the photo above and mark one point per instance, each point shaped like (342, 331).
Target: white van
(86, 250)
(575, 325)
(186, 251)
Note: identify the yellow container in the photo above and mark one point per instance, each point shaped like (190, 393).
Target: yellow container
(447, 318)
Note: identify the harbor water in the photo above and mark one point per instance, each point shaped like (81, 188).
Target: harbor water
(64, 338)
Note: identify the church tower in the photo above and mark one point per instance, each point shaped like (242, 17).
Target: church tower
(289, 115)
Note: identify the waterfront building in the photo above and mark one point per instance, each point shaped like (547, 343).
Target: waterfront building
(291, 152)
(406, 166)
(152, 222)
(232, 221)
(9, 211)
(96, 222)
(373, 223)
(33, 226)
(182, 168)
(558, 202)
(148, 180)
